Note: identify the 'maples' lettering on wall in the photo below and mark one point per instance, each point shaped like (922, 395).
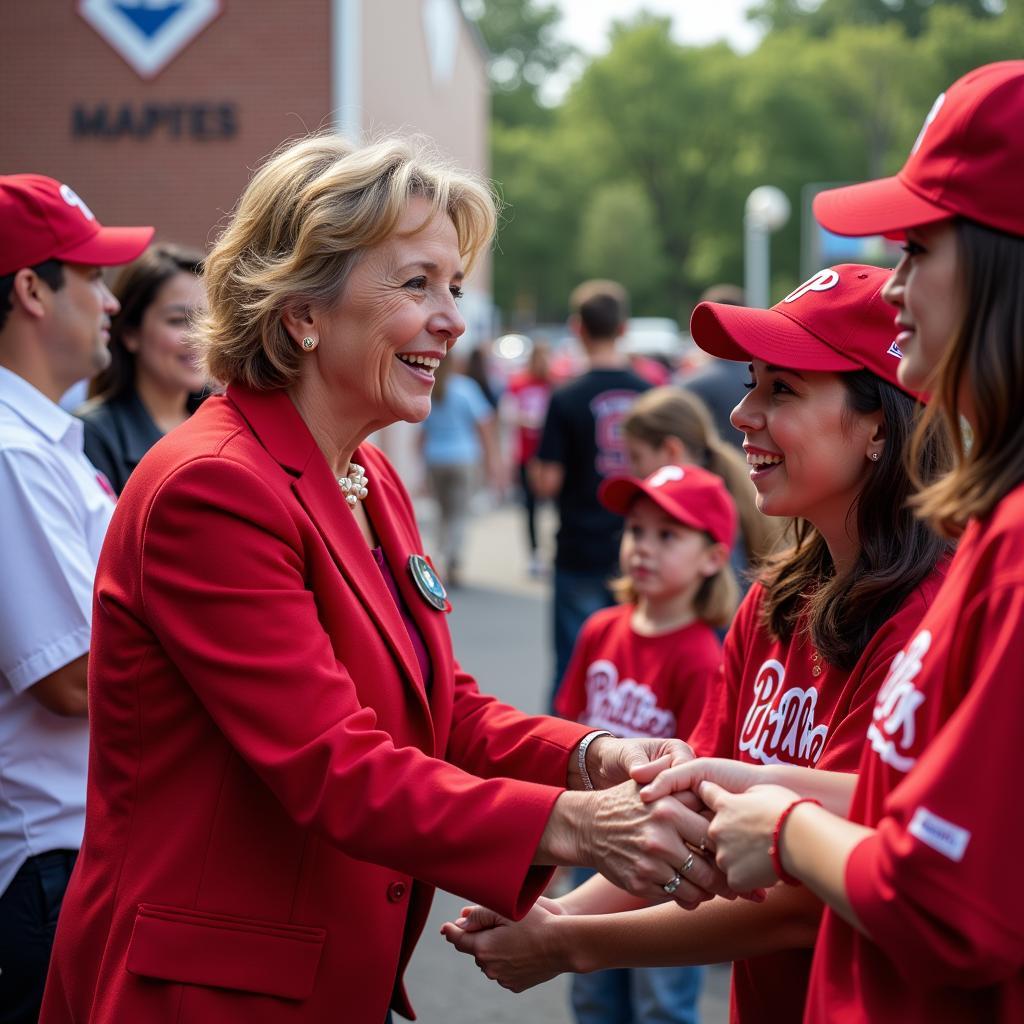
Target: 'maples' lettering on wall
(202, 122)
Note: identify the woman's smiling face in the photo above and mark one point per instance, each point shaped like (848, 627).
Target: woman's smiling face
(395, 320)
(925, 289)
(809, 452)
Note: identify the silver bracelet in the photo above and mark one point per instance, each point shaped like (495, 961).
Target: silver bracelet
(581, 756)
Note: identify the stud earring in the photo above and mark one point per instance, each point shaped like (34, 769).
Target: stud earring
(875, 456)
(309, 344)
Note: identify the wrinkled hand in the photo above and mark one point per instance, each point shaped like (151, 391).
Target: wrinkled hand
(611, 761)
(640, 846)
(742, 830)
(515, 955)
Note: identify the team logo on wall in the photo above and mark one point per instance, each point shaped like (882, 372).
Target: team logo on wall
(149, 34)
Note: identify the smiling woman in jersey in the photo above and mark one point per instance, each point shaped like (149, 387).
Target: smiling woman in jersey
(286, 756)
(826, 429)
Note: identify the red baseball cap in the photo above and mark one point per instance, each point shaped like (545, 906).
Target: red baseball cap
(836, 321)
(42, 219)
(689, 494)
(966, 162)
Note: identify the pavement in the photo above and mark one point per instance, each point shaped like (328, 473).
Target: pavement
(500, 630)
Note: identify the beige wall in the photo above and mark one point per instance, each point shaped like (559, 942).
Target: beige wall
(400, 92)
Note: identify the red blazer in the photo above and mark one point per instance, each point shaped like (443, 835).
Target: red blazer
(273, 794)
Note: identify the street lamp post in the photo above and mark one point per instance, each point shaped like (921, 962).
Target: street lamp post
(766, 210)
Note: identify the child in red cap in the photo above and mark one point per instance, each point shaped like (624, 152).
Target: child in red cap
(917, 856)
(648, 667)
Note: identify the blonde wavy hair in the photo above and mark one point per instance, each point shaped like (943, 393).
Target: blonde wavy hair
(299, 227)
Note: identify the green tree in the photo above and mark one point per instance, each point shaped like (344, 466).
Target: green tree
(619, 239)
(642, 172)
(824, 17)
(522, 37)
(656, 114)
(534, 260)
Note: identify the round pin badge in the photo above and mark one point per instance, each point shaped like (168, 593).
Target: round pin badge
(427, 583)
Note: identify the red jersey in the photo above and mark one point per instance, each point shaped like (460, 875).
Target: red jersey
(937, 886)
(635, 685)
(783, 703)
(529, 397)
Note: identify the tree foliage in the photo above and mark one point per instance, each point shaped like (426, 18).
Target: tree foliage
(641, 172)
(823, 17)
(522, 37)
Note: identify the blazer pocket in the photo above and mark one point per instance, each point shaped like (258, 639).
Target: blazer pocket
(199, 948)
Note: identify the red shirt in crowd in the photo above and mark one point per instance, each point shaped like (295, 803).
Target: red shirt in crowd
(783, 703)
(938, 885)
(635, 685)
(529, 397)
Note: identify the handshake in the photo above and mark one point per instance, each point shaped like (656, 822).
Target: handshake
(645, 829)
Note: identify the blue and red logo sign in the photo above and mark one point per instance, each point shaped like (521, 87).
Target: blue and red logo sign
(149, 34)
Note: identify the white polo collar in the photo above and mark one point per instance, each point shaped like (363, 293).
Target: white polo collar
(38, 412)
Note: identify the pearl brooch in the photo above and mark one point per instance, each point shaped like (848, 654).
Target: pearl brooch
(353, 485)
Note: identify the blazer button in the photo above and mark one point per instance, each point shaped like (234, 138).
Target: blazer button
(396, 891)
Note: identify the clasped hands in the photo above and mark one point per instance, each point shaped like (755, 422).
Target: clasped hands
(657, 816)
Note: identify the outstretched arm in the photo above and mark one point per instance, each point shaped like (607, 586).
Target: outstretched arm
(659, 779)
(548, 942)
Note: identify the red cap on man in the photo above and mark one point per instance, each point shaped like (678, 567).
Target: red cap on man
(836, 321)
(966, 162)
(42, 219)
(691, 495)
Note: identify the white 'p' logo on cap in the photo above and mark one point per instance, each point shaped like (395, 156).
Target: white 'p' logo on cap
(72, 198)
(822, 281)
(932, 114)
(666, 475)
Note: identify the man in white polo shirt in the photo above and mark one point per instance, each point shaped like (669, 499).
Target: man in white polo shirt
(55, 315)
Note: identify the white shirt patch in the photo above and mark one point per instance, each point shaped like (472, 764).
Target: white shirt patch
(942, 836)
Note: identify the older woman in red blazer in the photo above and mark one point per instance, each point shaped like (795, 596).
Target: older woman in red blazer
(286, 757)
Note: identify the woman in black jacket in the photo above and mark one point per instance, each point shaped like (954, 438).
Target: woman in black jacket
(153, 382)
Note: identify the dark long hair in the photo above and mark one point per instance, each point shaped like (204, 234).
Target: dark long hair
(985, 358)
(135, 288)
(897, 550)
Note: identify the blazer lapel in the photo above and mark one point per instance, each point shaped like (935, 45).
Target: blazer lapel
(399, 539)
(281, 430)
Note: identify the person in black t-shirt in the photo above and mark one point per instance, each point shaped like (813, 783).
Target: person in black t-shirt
(580, 445)
(719, 382)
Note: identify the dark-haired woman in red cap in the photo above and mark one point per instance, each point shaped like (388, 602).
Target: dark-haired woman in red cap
(826, 425)
(918, 861)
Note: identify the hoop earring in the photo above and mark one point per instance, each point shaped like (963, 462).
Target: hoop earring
(309, 344)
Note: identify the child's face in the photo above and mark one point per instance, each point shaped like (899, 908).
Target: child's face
(809, 452)
(661, 556)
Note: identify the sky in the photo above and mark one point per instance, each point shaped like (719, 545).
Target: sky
(585, 23)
